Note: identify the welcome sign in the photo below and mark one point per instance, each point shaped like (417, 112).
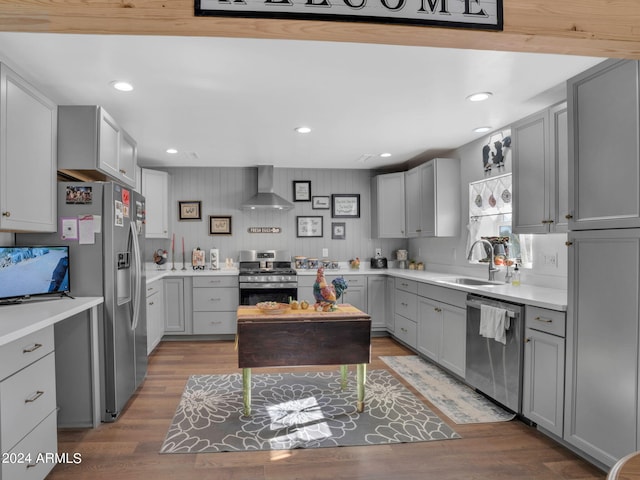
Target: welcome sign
(476, 14)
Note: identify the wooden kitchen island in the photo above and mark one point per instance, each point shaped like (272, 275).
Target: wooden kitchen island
(303, 337)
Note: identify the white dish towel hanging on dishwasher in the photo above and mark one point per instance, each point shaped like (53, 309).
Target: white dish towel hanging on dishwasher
(494, 323)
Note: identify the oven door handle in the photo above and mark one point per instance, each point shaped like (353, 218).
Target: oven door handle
(476, 304)
(267, 286)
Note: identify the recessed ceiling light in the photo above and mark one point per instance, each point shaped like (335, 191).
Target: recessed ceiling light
(303, 130)
(385, 155)
(122, 86)
(172, 151)
(481, 129)
(479, 97)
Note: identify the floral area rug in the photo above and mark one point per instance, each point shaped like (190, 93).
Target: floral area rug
(298, 410)
(456, 400)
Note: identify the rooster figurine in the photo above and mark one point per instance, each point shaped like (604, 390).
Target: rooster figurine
(326, 295)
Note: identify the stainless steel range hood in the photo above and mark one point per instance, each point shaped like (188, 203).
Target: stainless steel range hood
(266, 198)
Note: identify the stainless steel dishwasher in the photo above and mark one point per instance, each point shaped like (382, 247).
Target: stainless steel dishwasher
(493, 368)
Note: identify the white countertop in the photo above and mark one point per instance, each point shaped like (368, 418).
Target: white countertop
(552, 298)
(22, 319)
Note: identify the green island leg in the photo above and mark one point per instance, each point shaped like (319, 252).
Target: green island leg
(343, 376)
(246, 390)
(361, 374)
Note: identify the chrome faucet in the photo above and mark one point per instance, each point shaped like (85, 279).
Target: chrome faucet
(492, 268)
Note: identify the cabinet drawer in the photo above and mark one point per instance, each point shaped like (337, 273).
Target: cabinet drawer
(215, 299)
(20, 353)
(42, 440)
(406, 305)
(406, 285)
(26, 398)
(544, 320)
(214, 323)
(443, 294)
(354, 280)
(406, 330)
(154, 287)
(216, 281)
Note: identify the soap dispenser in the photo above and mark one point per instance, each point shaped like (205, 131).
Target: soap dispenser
(515, 278)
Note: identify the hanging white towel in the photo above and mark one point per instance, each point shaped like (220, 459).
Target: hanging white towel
(494, 323)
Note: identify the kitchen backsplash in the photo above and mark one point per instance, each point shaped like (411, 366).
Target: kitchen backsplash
(222, 191)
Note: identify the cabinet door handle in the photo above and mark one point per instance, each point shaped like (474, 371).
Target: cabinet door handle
(404, 304)
(32, 349)
(568, 216)
(122, 171)
(6, 214)
(543, 320)
(437, 309)
(568, 244)
(215, 299)
(150, 303)
(527, 340)
(36, 396)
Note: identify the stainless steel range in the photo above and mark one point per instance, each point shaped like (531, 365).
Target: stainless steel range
(266, 276)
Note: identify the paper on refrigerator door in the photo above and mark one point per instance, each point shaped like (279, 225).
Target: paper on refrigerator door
(86, 230)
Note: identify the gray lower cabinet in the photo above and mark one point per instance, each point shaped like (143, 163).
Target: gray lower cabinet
(174, 308)
(602, 390)
(356, 293)
(390, 292)
(377, 301)
(442, 326)
(544, 363)
(28, 405)
(215, 302)
(406, 312)
(155, 314)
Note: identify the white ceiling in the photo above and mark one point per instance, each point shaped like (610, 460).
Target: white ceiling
(236, 102)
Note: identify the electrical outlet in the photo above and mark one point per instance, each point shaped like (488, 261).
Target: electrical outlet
(325, 253)
(550, 259)
(378, 252)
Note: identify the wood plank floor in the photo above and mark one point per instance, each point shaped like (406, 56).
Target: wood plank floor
(128, 448)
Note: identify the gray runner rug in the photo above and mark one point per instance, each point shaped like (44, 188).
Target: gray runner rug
(455, 399)
(298, 410)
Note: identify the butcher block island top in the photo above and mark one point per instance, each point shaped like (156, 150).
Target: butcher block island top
(303, 337)
(343, 311)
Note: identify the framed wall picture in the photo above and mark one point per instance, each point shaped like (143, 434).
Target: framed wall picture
(321, 203)
(345, 205)
(301, 190)
(309, 226)
(338, 230)
(219, 225)
(189, 210)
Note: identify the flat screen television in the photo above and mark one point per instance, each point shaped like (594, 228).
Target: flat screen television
(31, 271)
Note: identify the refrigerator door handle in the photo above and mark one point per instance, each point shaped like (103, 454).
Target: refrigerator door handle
(138, 274)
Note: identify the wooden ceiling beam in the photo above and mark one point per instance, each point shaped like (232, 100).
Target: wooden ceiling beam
(579, 27)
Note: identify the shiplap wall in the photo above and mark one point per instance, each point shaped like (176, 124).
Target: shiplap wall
(223, 190)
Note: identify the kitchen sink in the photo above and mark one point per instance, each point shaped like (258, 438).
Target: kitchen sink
(476, 282)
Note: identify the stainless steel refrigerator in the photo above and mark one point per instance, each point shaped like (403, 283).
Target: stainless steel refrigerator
(103, 224)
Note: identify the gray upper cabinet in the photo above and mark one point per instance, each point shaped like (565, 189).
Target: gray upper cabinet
(155, 189)
(432, 197)
(28, 137)
(91, 145)
(604, 160)
(540, 167)
(388, 206)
